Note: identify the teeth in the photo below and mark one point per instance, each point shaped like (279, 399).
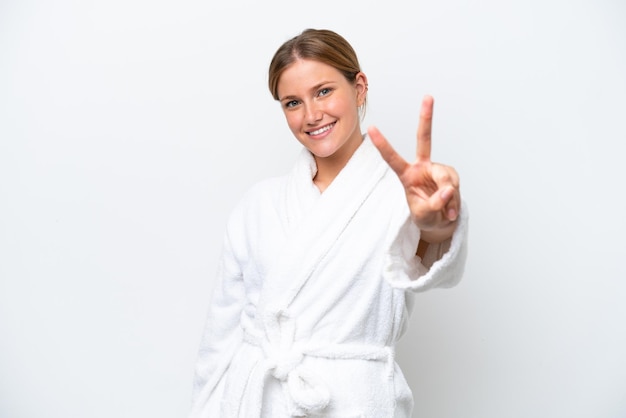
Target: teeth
(321, 130)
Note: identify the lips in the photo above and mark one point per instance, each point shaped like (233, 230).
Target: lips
(321, 130)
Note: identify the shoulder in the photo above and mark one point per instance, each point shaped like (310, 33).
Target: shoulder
(391, 187)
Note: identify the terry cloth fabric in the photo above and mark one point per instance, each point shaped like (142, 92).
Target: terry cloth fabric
(314, 290)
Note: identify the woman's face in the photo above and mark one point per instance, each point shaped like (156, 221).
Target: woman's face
(321, 108)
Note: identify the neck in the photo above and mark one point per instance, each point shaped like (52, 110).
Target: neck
(325, 175)
(328, 168)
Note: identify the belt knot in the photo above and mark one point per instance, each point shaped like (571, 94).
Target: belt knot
(284, 361)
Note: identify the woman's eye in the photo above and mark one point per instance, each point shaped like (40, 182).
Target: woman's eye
(324, 91)
(291, 103)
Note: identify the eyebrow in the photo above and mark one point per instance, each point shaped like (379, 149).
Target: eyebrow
(315, 87)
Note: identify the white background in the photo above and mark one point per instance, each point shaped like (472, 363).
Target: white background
(129, 128)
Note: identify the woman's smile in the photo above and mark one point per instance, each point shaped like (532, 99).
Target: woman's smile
(319, 133)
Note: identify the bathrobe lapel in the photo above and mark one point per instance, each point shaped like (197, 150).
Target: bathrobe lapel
(315, 222)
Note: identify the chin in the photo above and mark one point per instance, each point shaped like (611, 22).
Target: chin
(322, 152)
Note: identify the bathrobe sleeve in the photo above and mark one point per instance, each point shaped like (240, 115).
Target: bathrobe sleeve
(222, 332)
(443, 264)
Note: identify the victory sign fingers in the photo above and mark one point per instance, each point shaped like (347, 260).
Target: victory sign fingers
(432, 190)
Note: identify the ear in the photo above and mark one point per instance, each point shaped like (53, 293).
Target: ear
(360, 84)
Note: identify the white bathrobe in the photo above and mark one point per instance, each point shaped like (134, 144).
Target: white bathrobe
(314, 291)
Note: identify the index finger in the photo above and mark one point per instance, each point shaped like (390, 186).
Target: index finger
(395, 161)
(424, 129)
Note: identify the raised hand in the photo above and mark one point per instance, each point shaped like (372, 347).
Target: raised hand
(432, 189)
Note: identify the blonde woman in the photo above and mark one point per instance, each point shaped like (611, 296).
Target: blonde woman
(319, 267)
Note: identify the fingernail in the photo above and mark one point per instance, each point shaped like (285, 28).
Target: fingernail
(452, 214)
(445, 193)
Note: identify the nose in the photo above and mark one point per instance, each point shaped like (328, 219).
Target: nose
(313, 114)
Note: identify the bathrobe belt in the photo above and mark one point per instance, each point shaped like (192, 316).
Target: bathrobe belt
(283, 358)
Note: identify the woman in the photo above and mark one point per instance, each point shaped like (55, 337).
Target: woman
(318, 267)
